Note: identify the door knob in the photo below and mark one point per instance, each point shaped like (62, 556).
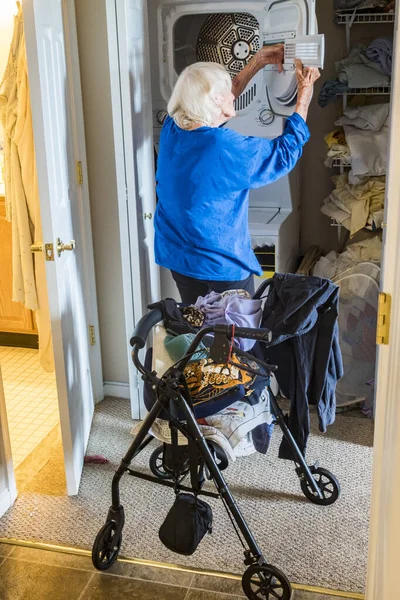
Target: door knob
(61, 247)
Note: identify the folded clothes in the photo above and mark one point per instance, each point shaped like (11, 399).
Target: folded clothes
(337, 147)
(369, 151)
(360, 4)
(162, 432)
(357, 71)
(367, 136)
(356, 206)
(380, 51)
(371, 117)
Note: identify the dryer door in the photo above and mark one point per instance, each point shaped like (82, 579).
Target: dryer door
(284, 20)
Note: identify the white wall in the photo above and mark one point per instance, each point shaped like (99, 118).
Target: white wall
(93, 55)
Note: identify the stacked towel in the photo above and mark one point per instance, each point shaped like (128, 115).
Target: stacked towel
(367, 135)
(380, 51)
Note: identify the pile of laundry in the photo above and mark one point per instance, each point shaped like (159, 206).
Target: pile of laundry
(365, 67)
(356, 206)
(232, 406)
(334, 265)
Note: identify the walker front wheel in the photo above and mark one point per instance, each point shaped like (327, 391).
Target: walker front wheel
(106, 547)
(327, 483)
(265, 582)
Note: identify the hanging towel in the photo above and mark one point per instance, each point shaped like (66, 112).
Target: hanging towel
(22, 193)
(380, 51)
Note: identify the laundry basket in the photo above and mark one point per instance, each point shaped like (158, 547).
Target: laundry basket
(358, 306)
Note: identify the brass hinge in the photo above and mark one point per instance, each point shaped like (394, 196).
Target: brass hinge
(92, 336)
(79, 176)
(383, 324)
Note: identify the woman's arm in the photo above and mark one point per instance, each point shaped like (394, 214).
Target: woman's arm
(267, 55)
(306, 77)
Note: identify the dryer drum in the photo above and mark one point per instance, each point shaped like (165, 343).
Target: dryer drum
(230, 39)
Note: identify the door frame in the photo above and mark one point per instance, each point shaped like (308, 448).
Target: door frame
(382, 575)
(74, 105)
(8, 488)
(127, 218)
(78, 134)
(132, 274)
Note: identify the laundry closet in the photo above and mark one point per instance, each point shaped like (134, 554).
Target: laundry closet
(327, 203)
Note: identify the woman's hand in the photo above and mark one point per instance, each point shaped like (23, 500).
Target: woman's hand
(306, 76)
(273, 55)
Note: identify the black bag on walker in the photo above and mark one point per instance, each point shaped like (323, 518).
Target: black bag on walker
(186, 524)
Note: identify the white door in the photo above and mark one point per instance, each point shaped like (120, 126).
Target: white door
(8, 491)
(131, 101)
(65, 217)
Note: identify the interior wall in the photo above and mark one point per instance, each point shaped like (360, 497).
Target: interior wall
(96, 92)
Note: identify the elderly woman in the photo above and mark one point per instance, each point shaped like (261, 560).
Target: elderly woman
(205, 172)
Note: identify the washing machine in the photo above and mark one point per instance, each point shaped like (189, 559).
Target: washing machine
(230, 33)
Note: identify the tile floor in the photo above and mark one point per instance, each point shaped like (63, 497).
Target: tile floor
(31, 399)
(45, 575)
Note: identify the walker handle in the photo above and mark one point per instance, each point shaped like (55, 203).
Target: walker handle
(144, 326)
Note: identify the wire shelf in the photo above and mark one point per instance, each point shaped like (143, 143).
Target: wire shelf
(341, 162)
(376, 91)
(334, 223)
(353, 17)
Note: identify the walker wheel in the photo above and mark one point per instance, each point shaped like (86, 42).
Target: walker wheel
(157, 467)
(156, 464)
(327, 483)
(265, 582)
(105, 548)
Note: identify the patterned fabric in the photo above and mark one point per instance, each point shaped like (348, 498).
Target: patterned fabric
(193, 316)
(207, 380)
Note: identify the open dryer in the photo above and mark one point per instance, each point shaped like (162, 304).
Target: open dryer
(230, 33)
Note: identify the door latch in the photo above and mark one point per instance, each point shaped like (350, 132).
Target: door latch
(48, 250)
(61, 247)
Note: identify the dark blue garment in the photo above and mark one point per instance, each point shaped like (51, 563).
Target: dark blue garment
(203, 182)
(261, 436)
(302, 314)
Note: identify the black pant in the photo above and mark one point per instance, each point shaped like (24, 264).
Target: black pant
(190, 289)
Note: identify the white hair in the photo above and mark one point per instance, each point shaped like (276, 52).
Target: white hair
(193, 97)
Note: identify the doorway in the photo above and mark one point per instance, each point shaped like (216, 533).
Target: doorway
(26, 355)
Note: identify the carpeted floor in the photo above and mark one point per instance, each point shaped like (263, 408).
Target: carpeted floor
(321, 546)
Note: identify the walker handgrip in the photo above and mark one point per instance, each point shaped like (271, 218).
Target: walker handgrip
(262, 335)
(144, 326)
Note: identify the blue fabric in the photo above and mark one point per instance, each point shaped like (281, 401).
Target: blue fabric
(203, 181)
(302, 314)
